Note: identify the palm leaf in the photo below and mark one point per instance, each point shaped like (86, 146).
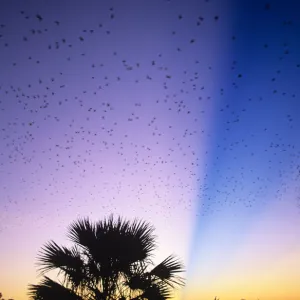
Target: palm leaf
(167, 270)
(143, 238)
(82, 233)
(156, 292)
(68, 261)
(51, 290)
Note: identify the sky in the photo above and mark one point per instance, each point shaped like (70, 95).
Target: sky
(181, 113)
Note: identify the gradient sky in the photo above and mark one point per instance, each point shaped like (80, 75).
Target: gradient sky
(182, 113)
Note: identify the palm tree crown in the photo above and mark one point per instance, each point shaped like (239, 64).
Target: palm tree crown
(110, 259)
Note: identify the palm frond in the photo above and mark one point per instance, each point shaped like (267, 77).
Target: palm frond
(68, 261)
(82, 232)
(122, 243)
(167, 271)
(50, 290)
(156, 292)
(137, 282)
(142, 233)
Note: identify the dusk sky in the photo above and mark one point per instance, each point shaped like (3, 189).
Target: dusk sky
(181, 113)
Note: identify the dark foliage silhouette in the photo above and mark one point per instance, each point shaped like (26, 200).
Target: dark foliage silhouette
(1, 297)
(110, 259)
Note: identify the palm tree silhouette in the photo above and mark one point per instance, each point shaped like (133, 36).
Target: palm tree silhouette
(111, 259)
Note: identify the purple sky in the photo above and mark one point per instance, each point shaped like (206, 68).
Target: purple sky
(182, 113)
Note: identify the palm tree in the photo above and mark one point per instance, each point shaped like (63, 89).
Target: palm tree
(110, 259)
